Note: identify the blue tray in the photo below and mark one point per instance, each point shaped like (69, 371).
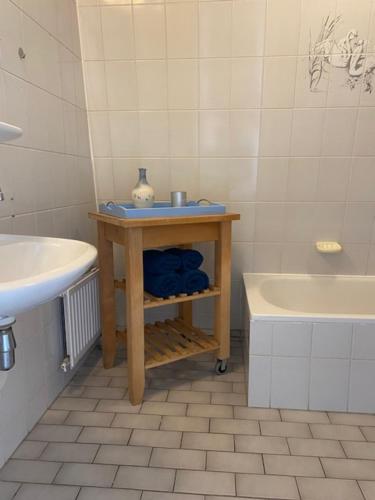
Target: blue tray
(160, 209)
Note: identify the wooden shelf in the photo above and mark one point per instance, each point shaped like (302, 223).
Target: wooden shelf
(151, 301)
(172, 340)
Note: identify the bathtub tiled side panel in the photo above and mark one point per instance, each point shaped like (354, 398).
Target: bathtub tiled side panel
(317, 366)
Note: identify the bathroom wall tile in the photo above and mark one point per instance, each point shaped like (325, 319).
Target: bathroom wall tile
(363, 341)
(364, 145)
(90, 25)
(104, 178)
(121, 85)
(185, 176)
(307, 134)
(248, 17)
(291, 339)
(332, 340)
(339, 132)
(306, 96)
(300, 218)
(269, 222)
(149, 31)
(151, 85)
(329, 384)
(329, 221)
(183, 84)
(243, 230)
(361, 180)
(214, 83)
(267, 257)
(279, 78)
(358, 223)
(183, 133)
(153, 133)
(244, 132)
(215, 29)
(260, 381)
(100, 133)
(361, 386)
(261, 333)
(275, 132)
(96, 85)
(302, 179)
(182, 30)
(125, 130)
(312, 14)
(272, 179)
(339, 93)
(246, 81)
(290, 382)
(214, 135)
(282, 27)
(330, 170)
(118, 35)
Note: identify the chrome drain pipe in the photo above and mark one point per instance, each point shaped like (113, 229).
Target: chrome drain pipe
(7, 346)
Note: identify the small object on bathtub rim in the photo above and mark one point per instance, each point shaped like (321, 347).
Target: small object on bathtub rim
(160, 209)
(328, 247)
(178, 198)
(143, 195)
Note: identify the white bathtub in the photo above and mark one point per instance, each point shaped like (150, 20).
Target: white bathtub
(311, 341)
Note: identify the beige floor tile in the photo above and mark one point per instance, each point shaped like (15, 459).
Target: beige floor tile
(207, 441)
(88, 493)
(308, 417)
(104, 392)
(144, 478)
(234, 426)
(117, 406)
(72, 391)
(352, 418)
(86, 475)
(56, 417)
(90, 418)
(220, 411)
(171, 384)
(197, 424)
(137, 421)
(178, 459)
(225, 461)
(316, 447)
(91, 381)
(261, 444)
(155, 408)
(8, 490)
(104, 435)
(154, 495)
(242, 412)
(328, 489)
(46, 492)
(369, 433)
(229, 377)
(206, 483)
(54, 433)
(286, 429)
(121, 382)
(284, 465)
(276, 487)
(208, 386)
(239, 387)
(340, 432)
(157, 439)
(123, 455)
(189, 397)
(29, 471)
(368, 489)
(155, 395)
(29, 450)
(359, 449)
(341, 468)
(116, 371)
(223, 398)
(70, 452)
(79, 404)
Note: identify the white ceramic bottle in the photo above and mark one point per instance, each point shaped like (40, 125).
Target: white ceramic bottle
(143, 194)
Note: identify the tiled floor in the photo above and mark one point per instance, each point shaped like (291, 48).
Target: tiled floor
(192, 439)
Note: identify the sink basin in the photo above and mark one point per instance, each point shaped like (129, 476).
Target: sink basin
(34, 270)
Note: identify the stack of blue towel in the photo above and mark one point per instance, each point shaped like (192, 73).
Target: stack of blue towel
(173, 271)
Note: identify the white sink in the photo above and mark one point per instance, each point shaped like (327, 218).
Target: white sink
(34, 270)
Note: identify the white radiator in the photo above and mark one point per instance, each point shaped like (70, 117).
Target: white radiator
(81, 315)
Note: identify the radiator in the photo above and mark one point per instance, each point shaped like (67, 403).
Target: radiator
(81, 317)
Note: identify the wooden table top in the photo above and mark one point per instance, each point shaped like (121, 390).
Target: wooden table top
(162, 221)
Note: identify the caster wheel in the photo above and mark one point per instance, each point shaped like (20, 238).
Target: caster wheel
(221, 366)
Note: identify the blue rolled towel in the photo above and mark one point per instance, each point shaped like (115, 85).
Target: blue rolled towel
(193, 281)
(162, 285)
(158, 262)
(190, 259)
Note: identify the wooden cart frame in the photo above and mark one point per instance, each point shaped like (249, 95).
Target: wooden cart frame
(154, 345)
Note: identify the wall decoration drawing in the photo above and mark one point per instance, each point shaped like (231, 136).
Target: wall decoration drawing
(347, 53)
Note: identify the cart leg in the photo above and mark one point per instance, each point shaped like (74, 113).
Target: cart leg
(185, 309)
(107, 297)
(222, 279)
(134, 312)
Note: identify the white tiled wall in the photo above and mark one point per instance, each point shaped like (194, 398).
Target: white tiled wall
(47, 181)
(213, 98)
(312, 365)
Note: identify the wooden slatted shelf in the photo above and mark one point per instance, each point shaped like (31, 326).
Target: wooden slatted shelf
(151, 301)
(172, 340)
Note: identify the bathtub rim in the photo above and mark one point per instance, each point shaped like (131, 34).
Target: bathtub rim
(262, 310)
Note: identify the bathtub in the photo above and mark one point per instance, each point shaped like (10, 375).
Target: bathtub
(310, 341)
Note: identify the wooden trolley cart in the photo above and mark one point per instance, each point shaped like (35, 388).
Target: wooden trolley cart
(164, 342)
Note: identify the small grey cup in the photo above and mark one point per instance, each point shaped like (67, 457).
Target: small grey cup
(178, 198)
